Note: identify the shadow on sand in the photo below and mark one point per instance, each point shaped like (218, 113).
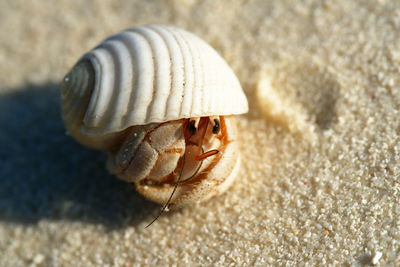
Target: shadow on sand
(45, 174)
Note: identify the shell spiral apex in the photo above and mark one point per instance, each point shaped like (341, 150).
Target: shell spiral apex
(147, 74)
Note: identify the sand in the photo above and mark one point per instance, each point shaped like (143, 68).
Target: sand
(320, 145)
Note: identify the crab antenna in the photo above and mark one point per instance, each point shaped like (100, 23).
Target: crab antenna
(173, 192)
(202, 137)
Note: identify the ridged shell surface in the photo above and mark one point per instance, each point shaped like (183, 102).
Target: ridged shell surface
(148, 74)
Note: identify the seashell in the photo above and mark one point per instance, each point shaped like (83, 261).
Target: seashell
(161, 102)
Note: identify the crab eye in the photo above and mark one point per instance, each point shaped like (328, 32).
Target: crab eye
(216, 127)
(192, 127)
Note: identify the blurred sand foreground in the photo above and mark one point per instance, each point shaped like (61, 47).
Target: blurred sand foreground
(320, 146)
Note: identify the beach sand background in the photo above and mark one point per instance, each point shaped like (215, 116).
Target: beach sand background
(320, 145)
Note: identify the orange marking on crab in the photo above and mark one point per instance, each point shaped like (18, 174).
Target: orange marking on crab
(206, 155)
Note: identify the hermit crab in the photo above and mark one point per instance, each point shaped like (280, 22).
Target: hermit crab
(161, 102)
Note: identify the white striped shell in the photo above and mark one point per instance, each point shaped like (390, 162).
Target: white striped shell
(160, 101)
(147, 74)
